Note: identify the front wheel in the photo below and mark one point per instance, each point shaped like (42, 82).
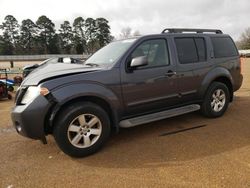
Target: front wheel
(81, 129)
(216, 100)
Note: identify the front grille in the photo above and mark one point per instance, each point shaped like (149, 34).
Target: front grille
(19, 95)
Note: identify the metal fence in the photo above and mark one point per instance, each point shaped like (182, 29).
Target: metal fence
(39, 57)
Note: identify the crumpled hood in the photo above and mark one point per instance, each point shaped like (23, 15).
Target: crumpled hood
(56, 70)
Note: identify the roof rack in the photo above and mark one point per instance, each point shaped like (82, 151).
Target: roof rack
(184, 30)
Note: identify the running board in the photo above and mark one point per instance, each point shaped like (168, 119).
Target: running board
(158, 116)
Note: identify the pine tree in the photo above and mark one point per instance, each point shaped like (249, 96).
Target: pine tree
(79, 35)
(46, 34)
(66, 37)
(10, 28)
(91, 34)
(28, 36)
(103, 31)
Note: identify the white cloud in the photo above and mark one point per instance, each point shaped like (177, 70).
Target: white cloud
(147, 16)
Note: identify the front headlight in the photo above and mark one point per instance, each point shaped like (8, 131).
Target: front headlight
(32, 92)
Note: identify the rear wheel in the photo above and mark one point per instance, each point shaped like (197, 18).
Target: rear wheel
(81, 129)
(216, 100)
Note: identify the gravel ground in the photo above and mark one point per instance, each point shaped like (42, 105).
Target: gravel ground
(215, 155)
(18, 64)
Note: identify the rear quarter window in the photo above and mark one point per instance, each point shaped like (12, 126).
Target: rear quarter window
(224, 47)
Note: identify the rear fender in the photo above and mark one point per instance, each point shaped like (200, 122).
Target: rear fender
(214, 74)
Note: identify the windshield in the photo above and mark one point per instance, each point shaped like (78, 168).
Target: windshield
(110, 53)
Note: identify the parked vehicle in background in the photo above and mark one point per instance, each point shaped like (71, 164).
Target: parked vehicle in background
(29, 68)
(128, 83)
(6, 85)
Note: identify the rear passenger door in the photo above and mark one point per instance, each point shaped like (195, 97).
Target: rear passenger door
(191, 51)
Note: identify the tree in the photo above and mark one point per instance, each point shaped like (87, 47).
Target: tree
(245, 39)
(41, 37)
(125, 33)
(54, 45)
(66, 36)
(103, 31)
(1, 45)
(46, 34)
(10, 28)
(90, 34)
(28, 36)
(79, 35)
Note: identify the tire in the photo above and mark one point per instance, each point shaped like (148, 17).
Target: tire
(81, 129)
(214, 105)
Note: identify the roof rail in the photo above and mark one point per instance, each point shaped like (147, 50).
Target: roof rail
(184, 30)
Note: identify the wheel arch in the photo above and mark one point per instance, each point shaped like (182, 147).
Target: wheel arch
(56, 109)
(218, 74)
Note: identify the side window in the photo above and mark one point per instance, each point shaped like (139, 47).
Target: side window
(201, 49)
(191, 49)
(224, 47)
(156, 52)
(186, 50)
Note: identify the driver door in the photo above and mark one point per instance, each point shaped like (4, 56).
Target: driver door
(152, 87)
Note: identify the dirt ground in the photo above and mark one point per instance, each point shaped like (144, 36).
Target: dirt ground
(215, 155)
(18, 64)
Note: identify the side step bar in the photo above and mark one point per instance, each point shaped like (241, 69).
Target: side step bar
(158, 116)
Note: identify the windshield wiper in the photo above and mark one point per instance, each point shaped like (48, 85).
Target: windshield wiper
(92, 64)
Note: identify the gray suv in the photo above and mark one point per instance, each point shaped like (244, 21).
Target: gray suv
(128, 83)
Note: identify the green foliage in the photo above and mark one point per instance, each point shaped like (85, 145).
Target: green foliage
(79, 40)
(10, 28)
(28, 37)
(84, 36)
(103, 31)
(46, 33)
(90, 34)
(66, 37)
(1, 45)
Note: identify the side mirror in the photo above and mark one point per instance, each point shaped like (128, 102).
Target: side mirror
(139, 61)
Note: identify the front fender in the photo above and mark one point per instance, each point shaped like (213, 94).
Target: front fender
(72, 91)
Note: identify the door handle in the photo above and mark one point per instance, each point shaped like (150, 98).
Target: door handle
(170, 73)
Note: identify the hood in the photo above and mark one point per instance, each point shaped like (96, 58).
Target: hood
(56, 70)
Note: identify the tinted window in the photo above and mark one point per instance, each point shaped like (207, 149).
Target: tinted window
(156, 52)
(201, 49)
(186, 50)
(224, 47)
